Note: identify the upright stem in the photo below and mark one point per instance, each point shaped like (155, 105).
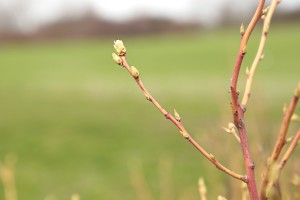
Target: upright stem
(238, 110)
(248, 162)
(238, 114)
(245, 38)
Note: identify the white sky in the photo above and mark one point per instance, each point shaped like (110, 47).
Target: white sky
(207, 12)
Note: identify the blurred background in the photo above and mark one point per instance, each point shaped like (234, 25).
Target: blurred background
(72, 121)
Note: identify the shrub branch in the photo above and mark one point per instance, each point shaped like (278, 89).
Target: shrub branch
(280, 142)
(290, 150)
(238, 109)
(269, 180)
(122, 60)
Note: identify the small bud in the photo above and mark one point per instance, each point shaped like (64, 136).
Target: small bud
(117, 59)
(231, 126)
(119, 47)
(147, 96)
(266, 29)
(297, 91)
(177, 116)
(265, 11)
(231, 131)
(134, 72)
(184, 134)
(262, 57)
(245, 179)
(252, 165)
(212, 157)
(242, 29)
(244, 50)
(247, 71)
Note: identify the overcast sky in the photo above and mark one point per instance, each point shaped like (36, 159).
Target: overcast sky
(207, 12)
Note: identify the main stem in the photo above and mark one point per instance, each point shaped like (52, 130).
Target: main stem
(238, 110)
(238, 115)
(251, 183)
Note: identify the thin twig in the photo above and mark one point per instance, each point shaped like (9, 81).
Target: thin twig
(289, 151)
(257, 15)
(250, 73)
(231, 130)
(176, 122)
(280, 142)
(259, 54)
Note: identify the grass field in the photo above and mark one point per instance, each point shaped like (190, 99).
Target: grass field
(77, 123)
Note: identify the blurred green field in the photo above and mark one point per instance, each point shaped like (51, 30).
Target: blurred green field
(77, 123)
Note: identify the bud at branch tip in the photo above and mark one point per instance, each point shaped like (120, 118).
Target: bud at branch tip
(119, 47)
(242, 29)
(117, 59)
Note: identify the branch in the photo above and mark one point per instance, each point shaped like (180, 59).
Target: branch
(289, 150)
(273, 190)
(257, 59)
(121, 50)
(231, 130)
(280, 142)
(237, 109)
(246, 35)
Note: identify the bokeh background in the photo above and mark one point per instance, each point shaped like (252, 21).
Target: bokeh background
(72, 121)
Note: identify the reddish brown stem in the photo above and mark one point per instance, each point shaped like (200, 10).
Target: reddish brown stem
(243, 45)
(238, 110)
